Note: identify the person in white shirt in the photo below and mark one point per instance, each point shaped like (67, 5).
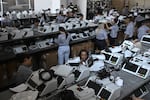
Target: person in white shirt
(113, 32)
(101, 41)
(130, 29)
(99, 16)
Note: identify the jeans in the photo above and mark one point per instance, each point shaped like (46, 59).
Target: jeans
(63, 54)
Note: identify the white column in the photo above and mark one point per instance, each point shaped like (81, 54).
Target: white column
(1, 8)
(30, 4)
(82, 6)
(16, 2)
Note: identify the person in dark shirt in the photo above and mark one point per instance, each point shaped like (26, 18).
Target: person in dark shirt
(24, 70)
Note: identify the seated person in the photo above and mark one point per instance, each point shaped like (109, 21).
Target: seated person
(82, 59)
(34, 26)
(85, 59)
(24, 70)
(84, 55)
(60, 18)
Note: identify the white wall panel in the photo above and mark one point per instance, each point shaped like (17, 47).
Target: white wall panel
(82, 4)
(45, 4)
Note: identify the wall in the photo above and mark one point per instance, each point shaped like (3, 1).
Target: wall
(147, 3)
(40, 4)
(82, 4)
(133, 3)
(118, 4)
(142, 3)
(63, 2)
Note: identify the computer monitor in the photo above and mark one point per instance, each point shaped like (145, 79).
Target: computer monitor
(105, 94)
(59, 80)
(138, 93)
(113, 59)
(90, 61)
(32, 83)
(146, 39)
(77, 73)
(74, 64)
(141, 92)
(74, 37)
(131, 67)
(142, 71)
(107, 56)
(95, 86)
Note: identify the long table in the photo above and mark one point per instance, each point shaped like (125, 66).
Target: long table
(130, 84)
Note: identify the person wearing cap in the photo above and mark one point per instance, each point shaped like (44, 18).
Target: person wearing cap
(129, 32)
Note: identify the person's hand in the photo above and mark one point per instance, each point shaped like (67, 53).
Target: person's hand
(136, 98)
(148, 31)
(134, 41)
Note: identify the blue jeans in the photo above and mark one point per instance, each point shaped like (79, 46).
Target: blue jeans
(63, 54)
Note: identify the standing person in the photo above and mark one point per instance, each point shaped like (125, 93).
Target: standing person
(129, 32)
(143, 30)
(101, 37)
(43, 19)
(114, 31)
(99, 16)
(64, 48)
(60, 18)
(125, 11)
(24, 70)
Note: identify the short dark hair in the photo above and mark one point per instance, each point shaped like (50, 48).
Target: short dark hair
(63, 30)
(83, 50)
(21, 57)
